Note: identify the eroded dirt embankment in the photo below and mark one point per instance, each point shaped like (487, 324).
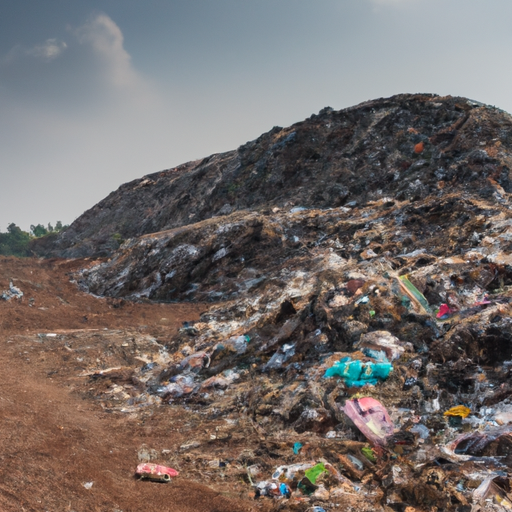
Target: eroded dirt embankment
(55, 434)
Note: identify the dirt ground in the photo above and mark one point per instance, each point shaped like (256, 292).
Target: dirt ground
(55, 434)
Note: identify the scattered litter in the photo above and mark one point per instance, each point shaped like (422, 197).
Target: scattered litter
(12, 293)
(459, 410)
(473, 446)
(155, 472)
(43, 335)
(88, 485)
(405, 296)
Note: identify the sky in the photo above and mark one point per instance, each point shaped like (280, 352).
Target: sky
(97, 93)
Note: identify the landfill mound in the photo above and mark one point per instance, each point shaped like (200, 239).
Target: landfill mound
(406, 146)
(354, 348)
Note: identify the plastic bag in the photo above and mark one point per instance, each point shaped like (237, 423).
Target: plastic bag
(371, 418)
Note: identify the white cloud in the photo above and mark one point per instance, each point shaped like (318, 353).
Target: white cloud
(49, 50)
(103, 35)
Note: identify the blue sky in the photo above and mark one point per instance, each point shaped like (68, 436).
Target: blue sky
(97, 93)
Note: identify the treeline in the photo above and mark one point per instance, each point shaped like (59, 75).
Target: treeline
(16, 242)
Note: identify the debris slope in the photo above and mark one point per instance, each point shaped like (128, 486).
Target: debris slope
(355, 265)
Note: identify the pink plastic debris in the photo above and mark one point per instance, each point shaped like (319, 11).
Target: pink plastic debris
(483, 301)
(155, 472)
(371, 418)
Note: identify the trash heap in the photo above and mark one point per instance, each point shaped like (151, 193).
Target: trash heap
(368, 344)
(413, 401)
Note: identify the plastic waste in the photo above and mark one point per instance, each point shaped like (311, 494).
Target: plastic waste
(180, 385)
(371, 418)
(287, 473)
(368, 453)
(12, 293)
(488, 490)
(356, 462)
(380, 345)
(220, 381)
(284, 490)
(444, 312)
(363, 300)
(155, 472)
(272, 490)
(238, 343)
(472, 446)
(285, 353)
(358, 373)
(195, 362)
(414, 294)
(421, 430)
(297, 448)
(313, 473)
(484, 301)
(459, 410)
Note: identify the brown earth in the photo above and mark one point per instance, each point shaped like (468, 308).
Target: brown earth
(55, 437)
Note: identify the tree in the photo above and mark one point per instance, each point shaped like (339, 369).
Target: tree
(38, 230)
(14, 242)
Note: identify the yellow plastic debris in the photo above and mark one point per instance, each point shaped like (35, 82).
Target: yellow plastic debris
(458, 410)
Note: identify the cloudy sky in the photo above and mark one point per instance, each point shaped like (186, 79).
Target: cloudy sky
(97, 93)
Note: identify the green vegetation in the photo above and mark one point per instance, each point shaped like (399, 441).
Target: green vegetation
(15, 241)
(39, 230)
(118, 238)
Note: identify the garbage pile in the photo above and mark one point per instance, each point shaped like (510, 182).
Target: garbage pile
(368, 344)
(415, 406)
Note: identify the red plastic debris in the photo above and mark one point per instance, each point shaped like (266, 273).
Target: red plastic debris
(444, 311)
(156, 472)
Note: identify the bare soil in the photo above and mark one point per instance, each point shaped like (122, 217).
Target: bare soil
(55, 434)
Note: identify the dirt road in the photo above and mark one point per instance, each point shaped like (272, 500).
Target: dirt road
(60, 449)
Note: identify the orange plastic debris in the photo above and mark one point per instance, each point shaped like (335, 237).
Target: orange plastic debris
(419, 148)
(459, 410)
